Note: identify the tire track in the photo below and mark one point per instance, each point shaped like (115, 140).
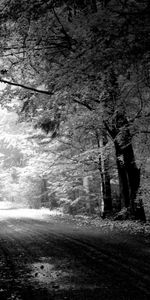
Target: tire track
(29, 240)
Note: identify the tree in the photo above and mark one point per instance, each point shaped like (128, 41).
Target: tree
(119, 130)
(81, 58)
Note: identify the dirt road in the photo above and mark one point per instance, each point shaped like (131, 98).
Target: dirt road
(44, 258)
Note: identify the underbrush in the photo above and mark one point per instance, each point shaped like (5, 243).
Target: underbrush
(94, 221)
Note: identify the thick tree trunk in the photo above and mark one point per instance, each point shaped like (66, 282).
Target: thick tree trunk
(129, 176)
(129, 182)
(118, 127)
(128, 173)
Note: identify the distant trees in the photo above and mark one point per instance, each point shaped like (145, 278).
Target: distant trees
(74, 58)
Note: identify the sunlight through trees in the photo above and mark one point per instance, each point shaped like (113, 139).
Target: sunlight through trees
(77, 75)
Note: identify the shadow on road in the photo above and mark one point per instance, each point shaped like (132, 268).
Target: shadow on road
(46, 259)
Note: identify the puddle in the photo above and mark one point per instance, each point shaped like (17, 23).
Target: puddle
(59, 277)
(48, 275)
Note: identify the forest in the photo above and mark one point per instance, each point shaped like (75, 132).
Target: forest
(75, 106)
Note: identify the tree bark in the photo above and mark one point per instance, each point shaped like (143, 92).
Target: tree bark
(129, 182)
(106, 200)
(44, 191)
(118, 127)
(129, 176)
(87, 191)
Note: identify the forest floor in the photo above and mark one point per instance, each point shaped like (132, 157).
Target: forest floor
(53, 256)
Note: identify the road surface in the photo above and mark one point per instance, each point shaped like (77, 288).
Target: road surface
(44, 258)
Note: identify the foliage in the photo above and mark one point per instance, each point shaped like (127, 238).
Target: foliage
(78, 70)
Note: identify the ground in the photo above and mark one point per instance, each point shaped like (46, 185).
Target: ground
(45, 256)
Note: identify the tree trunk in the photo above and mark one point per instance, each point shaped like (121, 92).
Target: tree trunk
(129, 176)
(129, 182)
(44, 191)
(118, 127)
(87, 191)
(106, 201)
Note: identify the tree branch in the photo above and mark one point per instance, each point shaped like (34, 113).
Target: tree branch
(83, 104)
(68, 38)
(26, 87)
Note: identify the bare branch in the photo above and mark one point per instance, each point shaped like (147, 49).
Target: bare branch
(26, 87)
(83, 104)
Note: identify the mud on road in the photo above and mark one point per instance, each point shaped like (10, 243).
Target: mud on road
(44, 258)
